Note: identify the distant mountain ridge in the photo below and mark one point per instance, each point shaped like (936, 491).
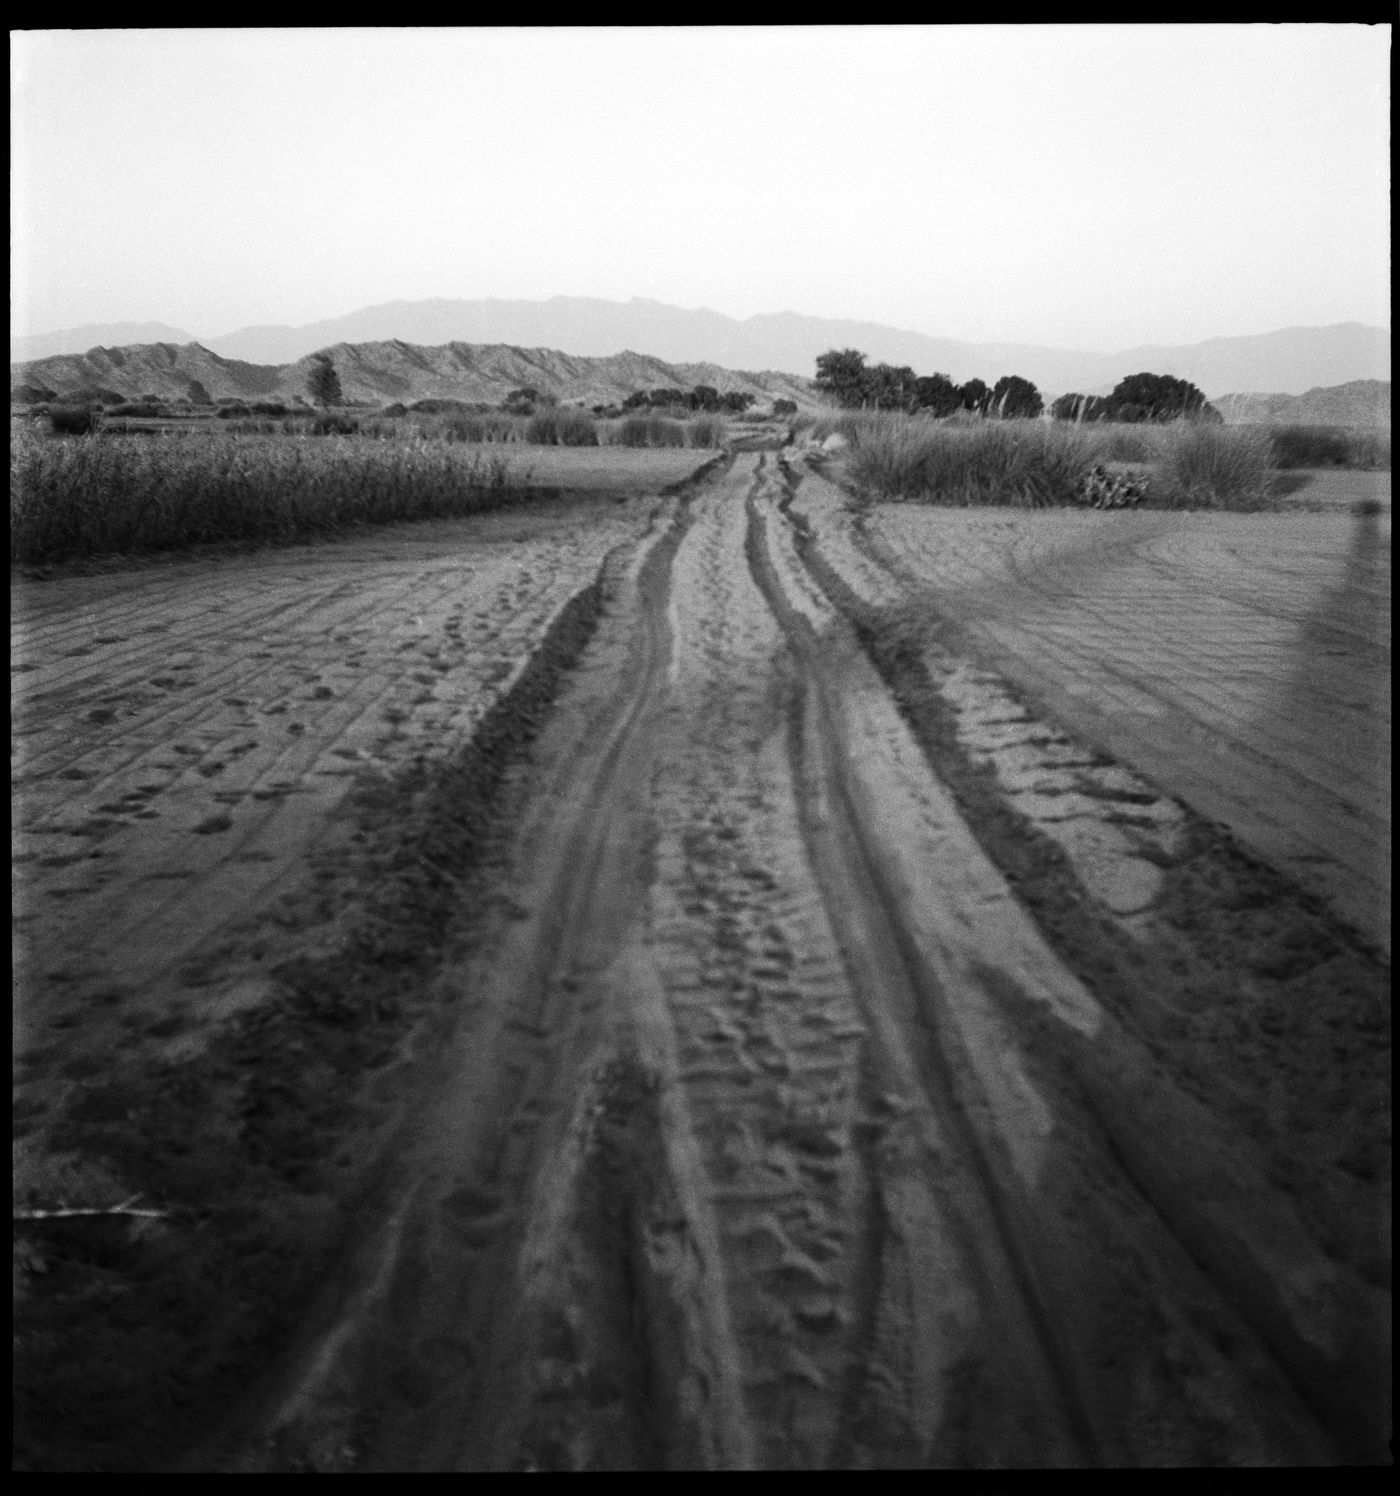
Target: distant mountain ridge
(1362, 402)
(385, 372)
(1291, 360)
(95, 335)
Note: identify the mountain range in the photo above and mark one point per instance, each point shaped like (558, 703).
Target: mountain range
(381, 373)
(1290, 360)
(1362, 402)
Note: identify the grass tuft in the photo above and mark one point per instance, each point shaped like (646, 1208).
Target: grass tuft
(1213, 467)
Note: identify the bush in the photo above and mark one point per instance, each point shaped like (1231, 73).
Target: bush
(1119, 442)
(707, 431)
(995, 463)
(648, 431)
(145, 409)
(562, 426)
(441, 407)
(228, 412)
(72, 420)
(1309, 446)
(1213, 467)
(334, 425)
(1368, 448)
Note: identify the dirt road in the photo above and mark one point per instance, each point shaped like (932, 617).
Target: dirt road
(809, 1093)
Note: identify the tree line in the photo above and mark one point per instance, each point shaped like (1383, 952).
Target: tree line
(844, 375)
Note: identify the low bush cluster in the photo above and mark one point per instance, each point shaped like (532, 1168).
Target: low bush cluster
(73, 420)
(562, 426)
(648, 431)
(1329, 446)
(1038, 464)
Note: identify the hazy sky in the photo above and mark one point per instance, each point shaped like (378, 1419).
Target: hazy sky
(1090, 186)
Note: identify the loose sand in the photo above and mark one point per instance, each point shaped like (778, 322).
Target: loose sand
(702, 989)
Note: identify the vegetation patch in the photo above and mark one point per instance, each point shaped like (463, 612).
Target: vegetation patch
(1328, 446)
(105, 495)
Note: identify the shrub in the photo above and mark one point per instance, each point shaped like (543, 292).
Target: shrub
(1119, 442)
(72, 420)
(648, 431)
(334, 425)
(1368, 448)
(1309, 446)
(145, 409)
(227, 412)
(707, 431)
(440, 407)
(984, 463)
(562, 426)
(1206, 466)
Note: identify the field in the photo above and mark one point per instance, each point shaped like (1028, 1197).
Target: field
(676, 968)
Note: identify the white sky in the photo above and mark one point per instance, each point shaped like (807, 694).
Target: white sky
(1088, 186)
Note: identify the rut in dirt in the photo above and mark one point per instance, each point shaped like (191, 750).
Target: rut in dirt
(772, 1134)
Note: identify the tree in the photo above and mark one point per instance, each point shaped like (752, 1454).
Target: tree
(1075, 407)
(1157, 397)
(522, 402)
(737, 401)
(842, 374)
(704, 397)
(785, 407)
(888, 387)
(975, 396)
(1014, 398)
(322, 382)
(198, 394)
(937, 394)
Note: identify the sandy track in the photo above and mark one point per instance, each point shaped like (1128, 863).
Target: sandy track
(771, 1130)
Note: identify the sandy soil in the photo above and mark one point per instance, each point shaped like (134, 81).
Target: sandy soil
(1243, 661)
(757, 1033)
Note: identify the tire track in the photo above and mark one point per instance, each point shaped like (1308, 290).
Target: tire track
(1251, 1260)
(552, 1175)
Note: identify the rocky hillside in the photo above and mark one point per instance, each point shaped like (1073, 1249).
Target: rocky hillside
(1361, 402)
(382, 372)
(165, 370)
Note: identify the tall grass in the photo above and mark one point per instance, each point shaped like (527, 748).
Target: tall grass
(1040, 463)
(1213, 467)
(646, 431)
(99, 495)
(707, 431)
(994, 463)
(562, 426)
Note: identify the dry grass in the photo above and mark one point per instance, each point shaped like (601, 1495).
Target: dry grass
(100, 495)
(1043, 463)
